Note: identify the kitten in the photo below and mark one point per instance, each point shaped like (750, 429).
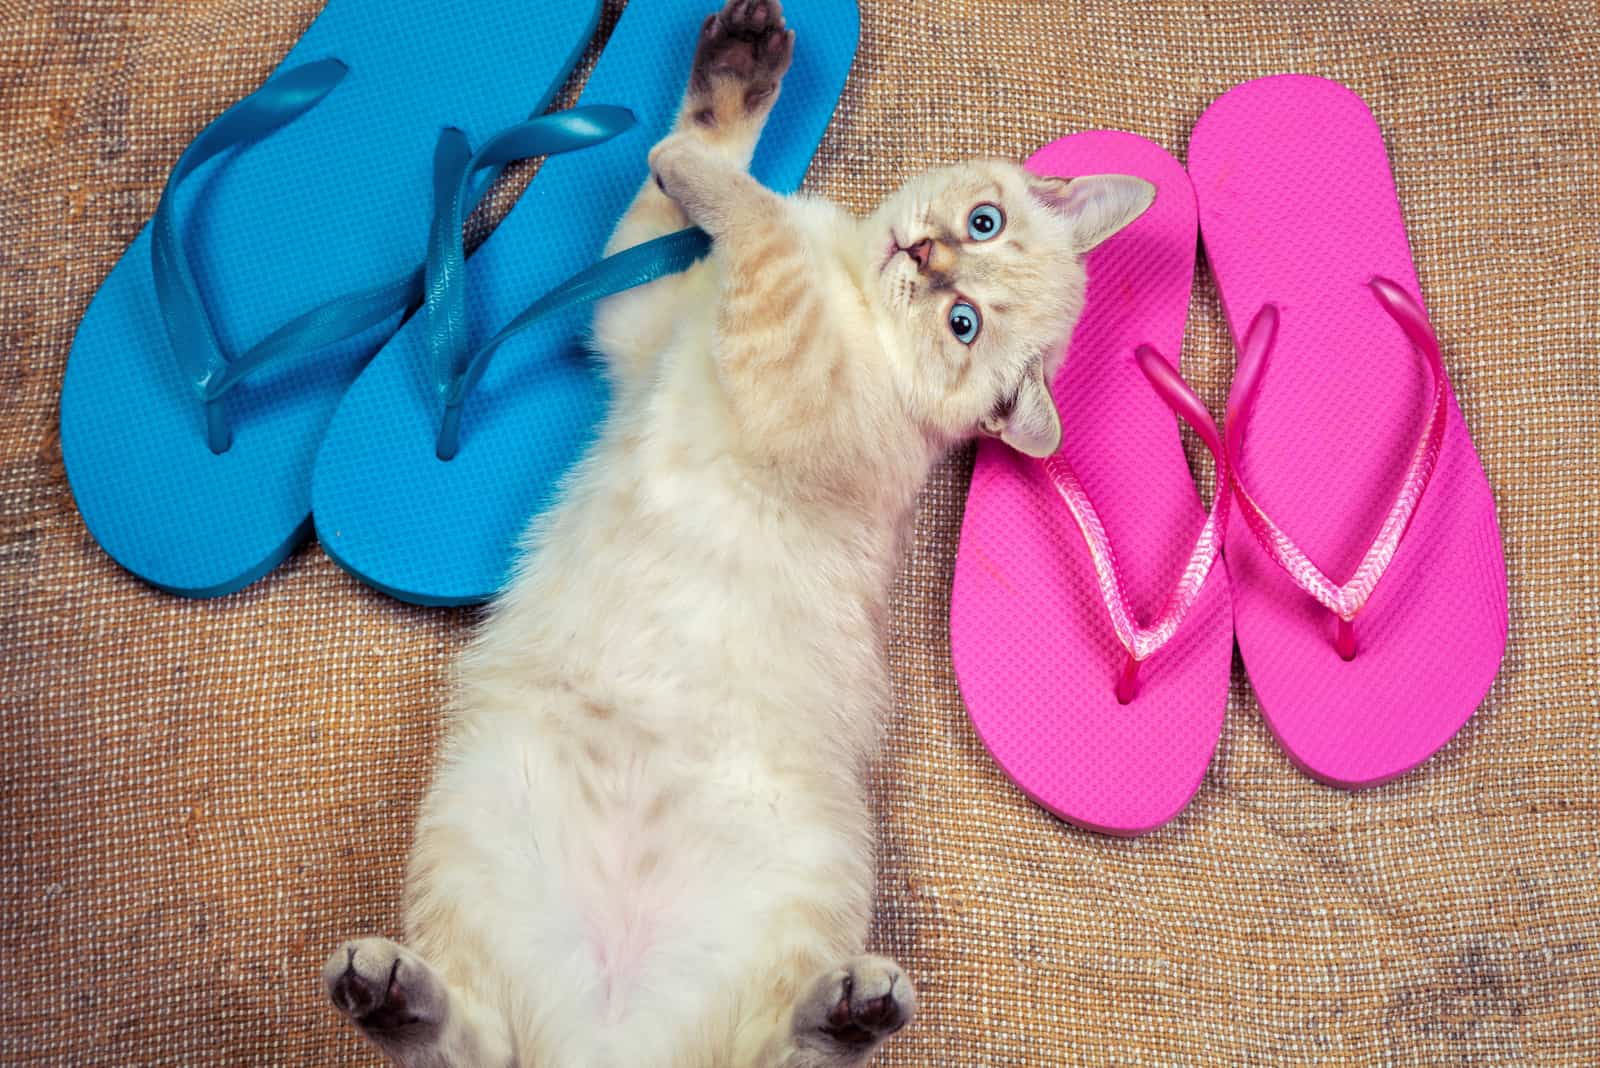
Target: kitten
(647, 841)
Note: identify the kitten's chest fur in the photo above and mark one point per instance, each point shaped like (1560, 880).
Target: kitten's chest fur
(690, 598)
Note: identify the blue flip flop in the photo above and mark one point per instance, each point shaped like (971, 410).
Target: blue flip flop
(438, 531)
(209, 363)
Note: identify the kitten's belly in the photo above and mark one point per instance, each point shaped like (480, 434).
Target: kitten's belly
(632, 876)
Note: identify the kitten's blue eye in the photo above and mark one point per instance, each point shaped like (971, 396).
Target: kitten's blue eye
(964, 322)
(985, 222)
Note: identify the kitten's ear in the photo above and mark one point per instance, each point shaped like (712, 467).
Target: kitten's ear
(1029, 423)
(1098, 204)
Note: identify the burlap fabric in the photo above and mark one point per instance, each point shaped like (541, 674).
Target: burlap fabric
(201, 799)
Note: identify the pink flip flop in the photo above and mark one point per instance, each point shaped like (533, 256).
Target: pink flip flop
(1104, 721)
(1349, 455)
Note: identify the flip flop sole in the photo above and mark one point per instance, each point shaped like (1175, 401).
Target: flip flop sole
(440, 532)
(1034, 651)
(334, 202)
(1298, 208)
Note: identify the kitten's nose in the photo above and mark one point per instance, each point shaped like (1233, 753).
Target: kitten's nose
(920, 251)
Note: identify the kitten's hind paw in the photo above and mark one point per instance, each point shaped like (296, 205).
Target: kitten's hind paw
(856, 1006)
(744, 52)
(385, 989)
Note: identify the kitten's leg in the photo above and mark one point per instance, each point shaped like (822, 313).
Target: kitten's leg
(847, 1013)
(739, 64)
(718, 196)
(406, 1009)
(775, 348)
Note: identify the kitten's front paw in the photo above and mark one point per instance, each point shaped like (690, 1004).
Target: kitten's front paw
(384, 988)
(676, 163)
(859, 1004)
(744, 51)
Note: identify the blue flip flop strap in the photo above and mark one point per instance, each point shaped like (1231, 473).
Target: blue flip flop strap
(352, 313)
(189, 329)
(621, 271)
(455, 167)
(456, 370)
(342, 317)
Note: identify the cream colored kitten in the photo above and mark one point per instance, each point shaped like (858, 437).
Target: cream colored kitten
(647, 841)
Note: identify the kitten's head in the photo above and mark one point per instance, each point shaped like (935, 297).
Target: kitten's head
(979, 283)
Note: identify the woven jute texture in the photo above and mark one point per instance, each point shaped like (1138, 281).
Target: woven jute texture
(201, 799)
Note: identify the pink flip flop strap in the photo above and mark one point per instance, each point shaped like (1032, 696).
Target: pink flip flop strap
(1346, 600)
(1141, 642)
